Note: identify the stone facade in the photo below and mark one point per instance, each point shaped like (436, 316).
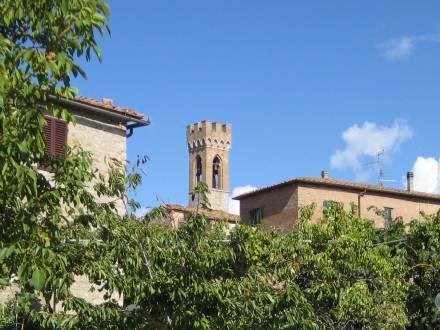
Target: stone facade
(280, 203)
(82, 288)
(104, 138)
(209, 144)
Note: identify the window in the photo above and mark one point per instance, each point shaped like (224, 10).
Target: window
(387, 215)
(216, 173)
(199, 173)
(55, 135)
(255, 216)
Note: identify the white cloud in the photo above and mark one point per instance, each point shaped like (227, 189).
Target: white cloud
(427, 175)
(366, 141)
(396, 49)
(234, 206)
(400, 48)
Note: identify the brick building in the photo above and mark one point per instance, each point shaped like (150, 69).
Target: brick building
(277, 206)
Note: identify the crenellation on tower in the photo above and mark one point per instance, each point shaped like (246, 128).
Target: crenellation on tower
(207, 133)
(209, 144)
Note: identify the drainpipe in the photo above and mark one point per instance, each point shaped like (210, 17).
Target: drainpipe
(131, 127)
(360, 195)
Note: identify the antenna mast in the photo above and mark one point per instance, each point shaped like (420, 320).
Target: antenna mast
(380, 165)
(379, 162)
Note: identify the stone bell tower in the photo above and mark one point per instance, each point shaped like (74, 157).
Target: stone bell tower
(209, 144)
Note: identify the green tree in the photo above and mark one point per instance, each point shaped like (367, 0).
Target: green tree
(52, 227)
(423, 248)
(352, 281)
(332, 274)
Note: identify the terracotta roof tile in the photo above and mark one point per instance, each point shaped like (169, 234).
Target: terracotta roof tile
(108, 106)
(208, 213)
(342, 184)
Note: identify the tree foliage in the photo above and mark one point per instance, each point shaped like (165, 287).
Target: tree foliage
(46, 219)
(423, 248)
(338, 273)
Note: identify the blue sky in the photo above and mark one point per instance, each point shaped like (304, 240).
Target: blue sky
(290, 76)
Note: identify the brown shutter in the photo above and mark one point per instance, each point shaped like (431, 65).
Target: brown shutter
(55, 135)
(47, 131)
(60, 137)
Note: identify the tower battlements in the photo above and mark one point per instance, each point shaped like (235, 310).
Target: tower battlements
(209, 134)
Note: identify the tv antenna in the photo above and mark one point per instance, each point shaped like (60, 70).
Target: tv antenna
(379, 162)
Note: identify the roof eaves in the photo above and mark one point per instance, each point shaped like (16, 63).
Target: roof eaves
(108, 106)
(343, 184)
(266, 188)
(124, 116)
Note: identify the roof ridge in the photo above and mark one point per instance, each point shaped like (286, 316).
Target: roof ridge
(342, 183)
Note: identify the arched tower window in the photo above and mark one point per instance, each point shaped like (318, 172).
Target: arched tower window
(216, 173)
(199, 173)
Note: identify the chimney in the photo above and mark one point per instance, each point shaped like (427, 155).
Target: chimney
(106, 100)
(324, 174)
(410, 181)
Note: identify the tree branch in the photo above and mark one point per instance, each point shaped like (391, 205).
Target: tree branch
(146, 262)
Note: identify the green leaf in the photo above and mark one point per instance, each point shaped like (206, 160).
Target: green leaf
(39, 279)
(6, 252)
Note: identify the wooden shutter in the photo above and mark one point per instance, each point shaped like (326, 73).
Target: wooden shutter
(48, 136)
(55, 134)
(59, 137)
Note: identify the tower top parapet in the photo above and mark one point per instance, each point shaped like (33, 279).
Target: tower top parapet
(209, 134)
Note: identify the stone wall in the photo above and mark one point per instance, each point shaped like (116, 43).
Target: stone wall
(105, 139)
